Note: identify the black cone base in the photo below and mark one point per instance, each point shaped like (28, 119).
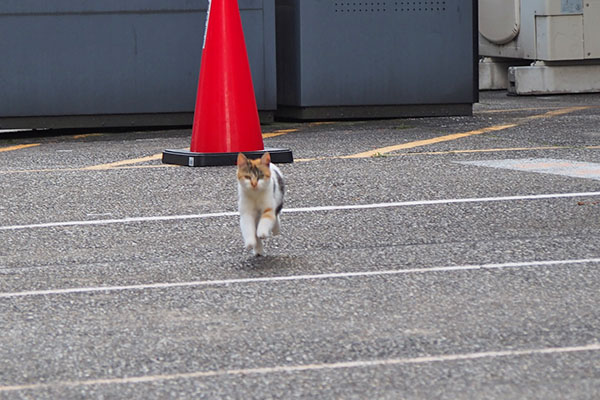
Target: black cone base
(191, 159)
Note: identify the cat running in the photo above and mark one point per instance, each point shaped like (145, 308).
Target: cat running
(260, 195)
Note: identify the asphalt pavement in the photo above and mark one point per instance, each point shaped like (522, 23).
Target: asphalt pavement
(420, 258)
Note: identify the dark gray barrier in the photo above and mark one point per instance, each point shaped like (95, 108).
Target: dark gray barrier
(357, 59)
(74, 63)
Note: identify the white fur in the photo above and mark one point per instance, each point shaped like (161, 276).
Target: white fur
(252, 204)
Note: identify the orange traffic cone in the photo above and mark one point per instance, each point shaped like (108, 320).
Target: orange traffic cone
(226, 117)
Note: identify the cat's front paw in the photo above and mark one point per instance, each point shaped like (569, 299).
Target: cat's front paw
(250, 244)
(263, 233)
(259, 249)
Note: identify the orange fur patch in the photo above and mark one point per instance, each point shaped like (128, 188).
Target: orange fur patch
(268, 213)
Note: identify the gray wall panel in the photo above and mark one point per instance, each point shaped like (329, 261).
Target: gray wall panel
(100, 64)
(112, 6)
(66, 57)
(351, 53)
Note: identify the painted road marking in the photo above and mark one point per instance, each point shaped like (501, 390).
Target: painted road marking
(496, 150)
(426, 142)
(574, 169)
(26, 146)
(115, 164)
(287, 369)
(118, 221)
(422, 153)
(370, 153)
(18, 147)
(289, 278)
(124, 162)
(300, 160)
(24, 171)
(279, 133)
(445, 138)
(561, 111)
(506, 110)
(87, 135)
(302, 210)
(159, 156)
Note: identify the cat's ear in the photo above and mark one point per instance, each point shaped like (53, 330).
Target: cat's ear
(242, 160)
(265, 159)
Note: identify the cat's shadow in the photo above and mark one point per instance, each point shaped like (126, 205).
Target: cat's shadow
(272, 263)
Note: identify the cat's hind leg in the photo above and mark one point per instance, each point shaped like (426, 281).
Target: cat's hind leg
(276, 228)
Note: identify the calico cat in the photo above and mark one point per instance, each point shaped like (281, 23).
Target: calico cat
(260, 193)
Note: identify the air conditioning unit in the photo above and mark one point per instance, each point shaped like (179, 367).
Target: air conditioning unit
(560, 39)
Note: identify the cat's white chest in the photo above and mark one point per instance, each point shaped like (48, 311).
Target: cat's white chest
(250, 200)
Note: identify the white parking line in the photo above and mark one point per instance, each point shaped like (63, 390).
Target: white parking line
(574, 169)
(302, 210)
(308, 367)
(272, 279)
(117, 221)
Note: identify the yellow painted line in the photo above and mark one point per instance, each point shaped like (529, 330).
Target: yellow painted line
(148, 166)
(323, 123)
(524, 109)
(154, 157)
(419, 143)
(87, 135)
(124, 162)
(306, 159)
(439, 139)
(18, 147)
(485, 150)
(422, 153)
(515, 110)
(554, 113)
(301, 160)
(278, 133)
